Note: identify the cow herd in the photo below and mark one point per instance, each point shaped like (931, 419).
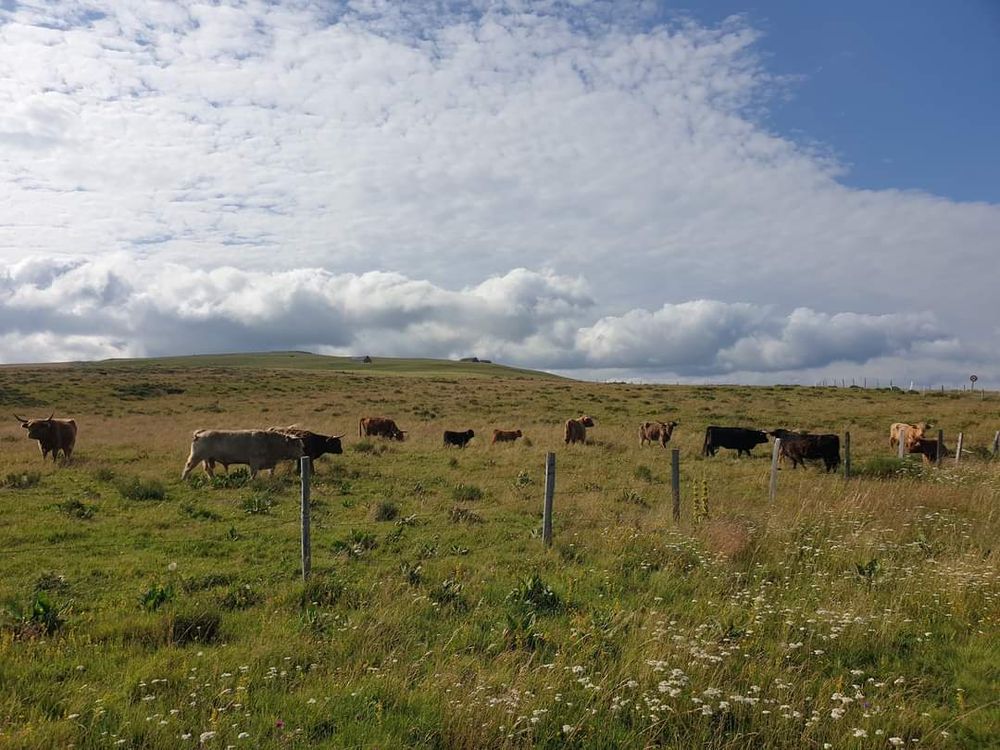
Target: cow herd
(265, 448)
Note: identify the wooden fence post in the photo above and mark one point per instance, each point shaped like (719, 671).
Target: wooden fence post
(550, 488)
(958, 449)
(773, 490)
(305, 465)
(847, 455)
(996, 444)
(901, 448)
(940, 448)
(675, 482)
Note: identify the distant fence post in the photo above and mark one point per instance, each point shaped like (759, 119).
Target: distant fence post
(958, 449)
(305, 465)
(773, 490)
(902, 443)
(940, 448)
(550, 488)
(675, 482)
(847, 455)
(996, 444)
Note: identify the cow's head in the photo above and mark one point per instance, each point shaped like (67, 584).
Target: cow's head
(332, 444)
(38, 429)
(517, 432)
(398, 434)
(586, 421)
(470, 433)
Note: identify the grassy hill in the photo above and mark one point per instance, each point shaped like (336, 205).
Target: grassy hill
(420, 367)
(140, 611)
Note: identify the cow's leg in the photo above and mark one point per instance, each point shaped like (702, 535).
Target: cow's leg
(188, 466)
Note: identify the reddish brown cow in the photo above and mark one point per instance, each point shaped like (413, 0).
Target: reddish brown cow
(576, 429)
(505, 436)
(656, 432)
(913, 432)
(53, 435)
(380, 427)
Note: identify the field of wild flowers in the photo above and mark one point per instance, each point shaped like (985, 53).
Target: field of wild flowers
(139, 611)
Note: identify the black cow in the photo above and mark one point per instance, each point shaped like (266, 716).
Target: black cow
(313, 443)
(460, 439)
(798, 446)
(740, 439)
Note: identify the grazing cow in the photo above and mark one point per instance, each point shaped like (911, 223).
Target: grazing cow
(576, 429)
(914, 432)
(927, 448)
(656, 432)
(313, 443)
(798, 446)
(382, 427)
(461, 439)
(505, 436)
(258, 449)
(53, 435)
(740, 439)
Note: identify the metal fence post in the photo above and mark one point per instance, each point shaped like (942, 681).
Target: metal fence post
(847, 455)
(940, 448)
(550, 488)
(305, 465)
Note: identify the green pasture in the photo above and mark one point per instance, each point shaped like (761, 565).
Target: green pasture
(140, 611)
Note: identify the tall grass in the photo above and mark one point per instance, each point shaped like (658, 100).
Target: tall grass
(853, 614)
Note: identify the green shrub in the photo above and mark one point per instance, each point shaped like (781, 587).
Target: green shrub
(156, 596)
(241, 597)
(39, 617)
(449, 593)
(643, 473)
(534, 593)
(191, 510)
(22, 480)
(322, 591)
(385, 510)
(136, 488)
(357, 543)
(887, 467)
(75, 508)
(194, 626)
(257, 503)
(464, 515)
(464, 493)
(104, 474)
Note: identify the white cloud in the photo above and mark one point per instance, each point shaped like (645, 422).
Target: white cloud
(412, 150)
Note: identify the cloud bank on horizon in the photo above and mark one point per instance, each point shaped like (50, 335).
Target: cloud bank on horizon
(560, 185)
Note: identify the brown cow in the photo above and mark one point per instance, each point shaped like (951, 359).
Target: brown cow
(505, 436)
(656, 432)
(380, 427)
(258, 449)
(914, 432)
(53, 435)
(576, 429)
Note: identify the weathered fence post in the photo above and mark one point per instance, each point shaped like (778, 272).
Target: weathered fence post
(901, 448)
(847, 455)
(958, 449)
(550, 488)
(996, 444)
(305, 465)
(773, 491)
(940, 449)
(675, 482)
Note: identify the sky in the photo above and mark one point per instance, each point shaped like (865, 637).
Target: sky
(712, 191)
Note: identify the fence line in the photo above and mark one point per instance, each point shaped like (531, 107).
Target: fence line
(550, 488)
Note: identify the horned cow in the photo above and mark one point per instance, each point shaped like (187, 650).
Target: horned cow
(258, 449)
(460, 439)
(740, 439)
(913, 433)
(314, 444)
(656, 432)
(505, 436)
(53, 435)
(382, 427)
(576, 429)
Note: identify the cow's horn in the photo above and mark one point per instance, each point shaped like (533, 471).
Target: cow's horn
(338, 437)
(50, 417)
(20, 419)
